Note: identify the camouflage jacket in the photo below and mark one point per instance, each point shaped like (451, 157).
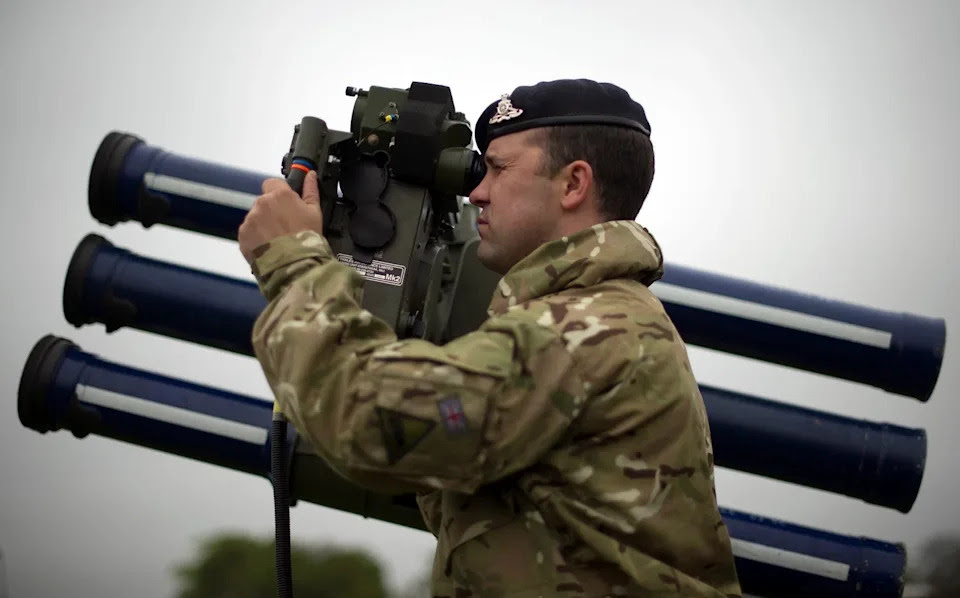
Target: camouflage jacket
(562, 449)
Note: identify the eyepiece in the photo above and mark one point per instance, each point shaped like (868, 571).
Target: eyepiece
(459, 171)
(478, 170)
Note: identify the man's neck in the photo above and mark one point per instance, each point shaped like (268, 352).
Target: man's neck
(574, 224)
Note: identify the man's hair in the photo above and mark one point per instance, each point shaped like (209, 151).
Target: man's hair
(621, 158)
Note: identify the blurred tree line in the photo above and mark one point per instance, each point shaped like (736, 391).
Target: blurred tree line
(231, 565)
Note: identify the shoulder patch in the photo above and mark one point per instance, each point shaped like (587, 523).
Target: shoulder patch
(401, 432)
(452, 415)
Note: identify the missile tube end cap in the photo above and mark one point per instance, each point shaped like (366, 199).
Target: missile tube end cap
(105, 174)
(77, 272)
(38, 374)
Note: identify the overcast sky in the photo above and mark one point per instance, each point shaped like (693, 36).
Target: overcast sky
(809, 145)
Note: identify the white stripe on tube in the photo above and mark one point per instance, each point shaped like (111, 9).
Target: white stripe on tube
(768, 314)
(786, 559)
(200, 191)
(172, 415)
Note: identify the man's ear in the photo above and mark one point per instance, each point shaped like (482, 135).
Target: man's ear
(578, 185)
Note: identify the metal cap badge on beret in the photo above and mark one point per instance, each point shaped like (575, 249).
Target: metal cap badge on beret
(562, 102)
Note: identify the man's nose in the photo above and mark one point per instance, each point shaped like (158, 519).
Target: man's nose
(479, 196)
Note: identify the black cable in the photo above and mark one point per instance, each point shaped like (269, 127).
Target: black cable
(281, 506)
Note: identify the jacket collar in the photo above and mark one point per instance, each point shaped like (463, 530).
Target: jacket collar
(614, 249)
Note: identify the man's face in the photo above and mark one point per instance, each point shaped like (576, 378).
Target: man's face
(519, 206)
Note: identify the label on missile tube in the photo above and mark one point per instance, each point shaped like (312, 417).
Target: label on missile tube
(376, 271)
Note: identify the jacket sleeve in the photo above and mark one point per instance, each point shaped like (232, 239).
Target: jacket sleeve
(401, 416)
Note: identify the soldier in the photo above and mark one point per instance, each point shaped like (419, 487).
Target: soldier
(562, 449)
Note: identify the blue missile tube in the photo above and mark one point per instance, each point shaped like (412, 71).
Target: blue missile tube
(878, 463)
(900, 353)
(119, 289)
(130, 180)
(776, 558)
(63, 387)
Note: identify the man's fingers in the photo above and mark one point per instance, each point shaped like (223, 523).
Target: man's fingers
(273, 184)
(311, 191)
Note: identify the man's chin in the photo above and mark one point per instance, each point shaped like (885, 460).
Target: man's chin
(488, 258)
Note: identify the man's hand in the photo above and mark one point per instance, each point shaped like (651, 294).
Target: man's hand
(280, 211)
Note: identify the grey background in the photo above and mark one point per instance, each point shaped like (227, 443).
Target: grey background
(809, 145)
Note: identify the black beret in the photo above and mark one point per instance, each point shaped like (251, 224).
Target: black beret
(562, 102)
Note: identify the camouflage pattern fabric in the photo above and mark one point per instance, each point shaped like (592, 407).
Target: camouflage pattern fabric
(560, 450)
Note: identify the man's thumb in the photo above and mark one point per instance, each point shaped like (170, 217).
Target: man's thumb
(311, 192)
